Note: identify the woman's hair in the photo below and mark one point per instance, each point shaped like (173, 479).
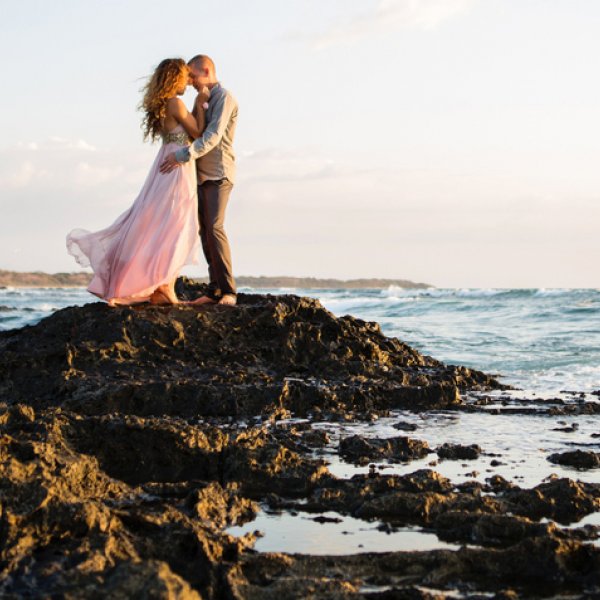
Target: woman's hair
(162, 85)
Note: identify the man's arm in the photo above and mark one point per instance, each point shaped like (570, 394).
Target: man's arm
(213, 133)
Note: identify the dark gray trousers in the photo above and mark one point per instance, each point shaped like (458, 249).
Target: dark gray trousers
(212, 201)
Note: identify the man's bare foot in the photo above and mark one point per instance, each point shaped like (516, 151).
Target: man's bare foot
(228, 299)
(202, 300)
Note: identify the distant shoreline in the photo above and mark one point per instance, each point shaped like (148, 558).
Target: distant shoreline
(82, 279)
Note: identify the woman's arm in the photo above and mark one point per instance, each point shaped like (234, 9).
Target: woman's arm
(177, 109)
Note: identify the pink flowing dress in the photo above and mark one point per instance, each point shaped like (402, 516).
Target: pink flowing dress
(152, 240)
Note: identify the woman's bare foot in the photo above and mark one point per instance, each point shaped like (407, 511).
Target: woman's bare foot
(158, 298)
(164, 295)
(113, 302)
(228, 299)
(202, 300)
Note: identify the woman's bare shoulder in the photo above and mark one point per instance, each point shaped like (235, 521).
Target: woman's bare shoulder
(176, 106)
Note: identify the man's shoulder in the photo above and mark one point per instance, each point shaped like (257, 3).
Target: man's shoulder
(222, 92)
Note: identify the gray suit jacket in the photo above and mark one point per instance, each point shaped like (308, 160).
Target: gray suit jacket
(213, 150)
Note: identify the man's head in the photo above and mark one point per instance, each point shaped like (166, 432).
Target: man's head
(202, 71)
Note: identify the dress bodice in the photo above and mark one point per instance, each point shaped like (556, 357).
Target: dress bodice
(178, 136)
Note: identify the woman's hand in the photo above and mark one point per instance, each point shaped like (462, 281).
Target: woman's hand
(202, 97)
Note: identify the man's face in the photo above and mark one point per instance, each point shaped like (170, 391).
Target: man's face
(198, 77)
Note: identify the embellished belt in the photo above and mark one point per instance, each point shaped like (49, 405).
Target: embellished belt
(181, 138)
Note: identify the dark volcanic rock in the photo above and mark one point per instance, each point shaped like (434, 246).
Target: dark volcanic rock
(582, 459)
(458, 452)
(405, 426)
(567, 428)
(537, 567)
(362, 450)
(270, 353)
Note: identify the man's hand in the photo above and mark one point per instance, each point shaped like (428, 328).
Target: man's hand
(169, 163)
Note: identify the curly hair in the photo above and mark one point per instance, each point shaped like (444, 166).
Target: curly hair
(162, 85)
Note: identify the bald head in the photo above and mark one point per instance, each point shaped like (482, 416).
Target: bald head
(201, 61)
(202, 71)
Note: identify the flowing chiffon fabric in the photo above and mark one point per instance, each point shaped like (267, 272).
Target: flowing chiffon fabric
(151, 241)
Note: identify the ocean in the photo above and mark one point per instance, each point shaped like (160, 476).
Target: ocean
(541, 340)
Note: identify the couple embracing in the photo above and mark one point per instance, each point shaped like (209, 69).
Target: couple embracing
(138, 258)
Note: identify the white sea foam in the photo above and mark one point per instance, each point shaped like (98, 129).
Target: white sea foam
(443, 292)
(552, 291)
(46, 307)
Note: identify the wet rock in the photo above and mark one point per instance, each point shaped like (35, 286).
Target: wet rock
(562, 500)
(316, 438)
(405, 426)
(539, 566)
(567, 428)
(581, 459)
(323, 519)
(361, 450)
(458, 451)
(488, 529)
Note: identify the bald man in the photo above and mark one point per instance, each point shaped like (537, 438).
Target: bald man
(215, 165)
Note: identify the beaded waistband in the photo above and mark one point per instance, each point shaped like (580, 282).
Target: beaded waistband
(180, 138)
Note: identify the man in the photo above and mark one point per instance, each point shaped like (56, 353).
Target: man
(215, 165)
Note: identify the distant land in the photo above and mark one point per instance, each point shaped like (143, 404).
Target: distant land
(81, 279)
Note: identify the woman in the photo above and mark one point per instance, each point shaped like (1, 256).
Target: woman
(139, 256)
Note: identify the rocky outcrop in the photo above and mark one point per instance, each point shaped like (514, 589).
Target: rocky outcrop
(132, 438)
(270, 355)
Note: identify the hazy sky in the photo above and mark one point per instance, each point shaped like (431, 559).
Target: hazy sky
(455, 142)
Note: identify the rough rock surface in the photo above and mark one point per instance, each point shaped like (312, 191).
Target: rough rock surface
(581, 459)
(270, 353)
(458, 451)
(131, 438)
(361, 450)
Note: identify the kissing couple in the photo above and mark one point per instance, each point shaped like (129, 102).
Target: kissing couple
(182, 202)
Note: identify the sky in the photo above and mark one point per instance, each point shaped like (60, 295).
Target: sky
(453, 142)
